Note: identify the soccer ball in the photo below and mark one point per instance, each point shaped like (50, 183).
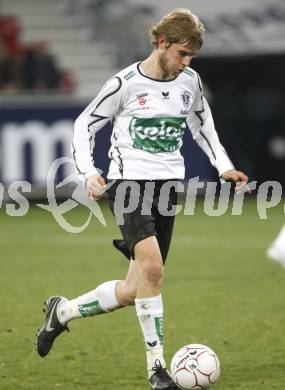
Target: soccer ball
(195, 366)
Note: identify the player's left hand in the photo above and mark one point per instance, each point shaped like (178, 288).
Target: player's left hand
(238, 177)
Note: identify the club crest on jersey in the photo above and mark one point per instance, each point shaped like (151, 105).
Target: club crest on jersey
(186, 100)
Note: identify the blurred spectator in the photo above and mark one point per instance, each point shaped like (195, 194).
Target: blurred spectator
(10, 70)
(41, 73)
(30, 68)
(9, 31)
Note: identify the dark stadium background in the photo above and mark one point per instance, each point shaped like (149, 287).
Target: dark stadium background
(242, 67)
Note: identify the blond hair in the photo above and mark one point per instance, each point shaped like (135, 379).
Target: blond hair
(180, 26)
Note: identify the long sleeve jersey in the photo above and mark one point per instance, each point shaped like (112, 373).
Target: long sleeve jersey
(149, 118)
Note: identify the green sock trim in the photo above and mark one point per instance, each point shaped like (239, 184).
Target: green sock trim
(159, 328)
(158, 321)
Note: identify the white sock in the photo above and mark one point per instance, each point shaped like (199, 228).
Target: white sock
(279, 242)
(150, 315)
(101, 300)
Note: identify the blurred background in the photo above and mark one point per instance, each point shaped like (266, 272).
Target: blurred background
(55, 55)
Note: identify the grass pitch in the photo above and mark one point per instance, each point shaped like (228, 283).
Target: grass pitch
(219, 290)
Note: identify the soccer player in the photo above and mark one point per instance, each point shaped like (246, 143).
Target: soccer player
(276, 251)
(150, 104)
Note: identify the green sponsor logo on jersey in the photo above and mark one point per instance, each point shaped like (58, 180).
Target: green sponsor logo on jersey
(157, 134)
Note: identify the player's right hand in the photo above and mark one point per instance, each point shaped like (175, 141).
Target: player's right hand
(95, 186)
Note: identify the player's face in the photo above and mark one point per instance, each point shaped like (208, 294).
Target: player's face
(174, 58)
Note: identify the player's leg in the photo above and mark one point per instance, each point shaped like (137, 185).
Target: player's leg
(277, 250)
(149, 308)
(164, 229)
(148, 238)
(138, 231)
(112, 295)
(59, 311)
(126, 290)
(148, 301)
(105, 298)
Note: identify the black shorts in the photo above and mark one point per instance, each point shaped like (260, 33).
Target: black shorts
(146, 218)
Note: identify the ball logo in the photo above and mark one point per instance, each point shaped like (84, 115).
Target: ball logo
(191, 365)
(182, 361)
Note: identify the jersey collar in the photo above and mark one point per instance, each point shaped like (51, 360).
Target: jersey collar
(158, 80)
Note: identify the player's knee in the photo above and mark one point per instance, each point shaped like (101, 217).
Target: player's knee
(153, 270)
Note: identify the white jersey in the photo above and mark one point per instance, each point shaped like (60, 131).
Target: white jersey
(149, 119)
